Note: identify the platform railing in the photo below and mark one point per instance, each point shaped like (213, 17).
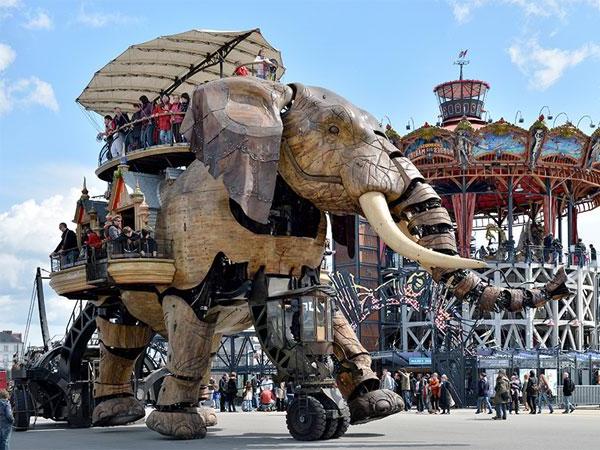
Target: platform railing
(266, 70)
(113, 250)
(123, 140)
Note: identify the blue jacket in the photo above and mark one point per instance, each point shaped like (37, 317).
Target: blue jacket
(6, 416)
(483, 387)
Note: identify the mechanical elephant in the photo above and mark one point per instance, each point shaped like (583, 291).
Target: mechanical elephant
(272, 159)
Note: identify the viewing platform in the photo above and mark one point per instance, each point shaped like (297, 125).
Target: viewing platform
(101, 273)
(151, 160)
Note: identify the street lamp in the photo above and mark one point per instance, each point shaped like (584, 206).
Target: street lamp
(560, 114)
(592, 124)
(549, 113)
(388, 121)
(519, 117)
(410, 120)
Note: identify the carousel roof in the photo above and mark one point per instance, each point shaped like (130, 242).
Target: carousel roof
(564, 157)
(175, 63)
(461, 88)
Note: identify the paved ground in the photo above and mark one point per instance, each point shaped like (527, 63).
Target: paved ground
(462, 430)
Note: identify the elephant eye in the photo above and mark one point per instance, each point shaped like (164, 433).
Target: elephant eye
(333, 129)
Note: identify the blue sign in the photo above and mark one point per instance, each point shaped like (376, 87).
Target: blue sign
(419, 361)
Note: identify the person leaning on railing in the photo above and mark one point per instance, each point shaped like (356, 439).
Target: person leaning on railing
(148, 123)
(67, 248)
(176, 118)
(147, 244)
(162, 115)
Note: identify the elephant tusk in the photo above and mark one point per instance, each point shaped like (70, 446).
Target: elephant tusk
(376, 210)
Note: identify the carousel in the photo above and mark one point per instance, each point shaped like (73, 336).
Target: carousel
(518, 186)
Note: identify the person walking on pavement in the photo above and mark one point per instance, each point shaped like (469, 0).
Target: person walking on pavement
(6, 420)
(446, 401)
(545, 393)
(232, 392)
(483, 394)
(524, 392)
(387, 382)
(223, 391)
(515, 393)
(502, 397)
(419, 393)
(405, 389)
(532, 392)
(568, 389)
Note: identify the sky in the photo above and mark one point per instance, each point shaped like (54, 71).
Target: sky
(384, 56)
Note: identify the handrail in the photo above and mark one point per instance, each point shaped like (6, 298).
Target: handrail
(113, 250)
(272, 75)
(126, 130)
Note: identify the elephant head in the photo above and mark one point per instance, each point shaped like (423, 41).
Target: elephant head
(328, 151)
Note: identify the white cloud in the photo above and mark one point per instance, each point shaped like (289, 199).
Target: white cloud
(9, 3)
(99, 19)
(7, 56)
(463, 10)
(28, 233)
(545, 66)
(25, 93)
(39, 21)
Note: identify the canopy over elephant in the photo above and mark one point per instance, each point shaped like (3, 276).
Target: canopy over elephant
(271, 160)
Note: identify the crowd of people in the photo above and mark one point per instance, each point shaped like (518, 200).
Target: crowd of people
(159, 121)
(259, 393)
(152, 123)
(113, 238)
(430, 393)
(550, 252)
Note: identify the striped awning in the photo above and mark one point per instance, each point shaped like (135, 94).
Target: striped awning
(176, 63)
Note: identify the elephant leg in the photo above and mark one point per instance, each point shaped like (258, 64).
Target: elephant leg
(356, 381)
(190, 341)
(120, 346)
(421, 209)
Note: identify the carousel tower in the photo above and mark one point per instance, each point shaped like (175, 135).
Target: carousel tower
(519, 186)
(461, 98)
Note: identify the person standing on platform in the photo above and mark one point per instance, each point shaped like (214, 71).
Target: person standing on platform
(67, 248)
(593, 256)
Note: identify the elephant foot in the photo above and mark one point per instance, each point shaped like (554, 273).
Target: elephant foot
(374, 405)
(208, 415)
(177, 424)
(117, 411)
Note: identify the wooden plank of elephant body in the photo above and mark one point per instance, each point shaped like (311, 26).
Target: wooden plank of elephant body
(123, 336)
(145, 307)
(69, 280)
(197, 218)
(231, 318)
(142, 270)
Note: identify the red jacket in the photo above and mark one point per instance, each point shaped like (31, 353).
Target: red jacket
(163, 118)
(93, 240)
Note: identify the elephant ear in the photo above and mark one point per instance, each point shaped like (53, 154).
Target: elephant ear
(234, 126)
